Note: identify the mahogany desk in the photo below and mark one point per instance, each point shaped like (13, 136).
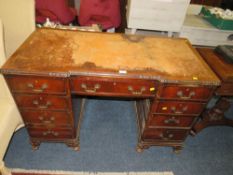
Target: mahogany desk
(215, 115)
(169, 81)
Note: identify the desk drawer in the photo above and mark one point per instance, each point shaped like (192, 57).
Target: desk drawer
(44, 102)
(113, 87)
(186, 93)
(29, 84)
(165, 134)
(55, 133)
(32, 117)
(170, 121)
(177, 108)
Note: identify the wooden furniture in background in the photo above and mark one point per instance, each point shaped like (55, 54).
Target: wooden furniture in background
(169, 81)
(215, 3)
(215, 115)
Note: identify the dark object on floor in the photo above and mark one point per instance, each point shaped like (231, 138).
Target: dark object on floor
(227, 4)
(226, 52)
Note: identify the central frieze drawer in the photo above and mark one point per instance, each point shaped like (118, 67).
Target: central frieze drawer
(42, 102)
(165, 134)
(28, 84)
(170, 121)
(178, 108)
(113, 86)
(186, 93)
(32, 117)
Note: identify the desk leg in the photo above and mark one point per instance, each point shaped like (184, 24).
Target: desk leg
(35, 144)
(75, 142)
(214, 116)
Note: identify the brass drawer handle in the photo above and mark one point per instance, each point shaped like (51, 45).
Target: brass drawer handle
(42, 88)
(51, 120)
(130, 88)
(166, 135)
(90, 90)
(50, 133)
(36, 102)
(174, 110)
(180, 94)
(172, 120)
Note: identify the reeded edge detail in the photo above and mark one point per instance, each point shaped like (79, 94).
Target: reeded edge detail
(68, 74)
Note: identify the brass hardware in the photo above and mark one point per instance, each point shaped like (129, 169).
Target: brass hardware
(51, 132)
(166, 136)
(173, 108)
(152, 89)
(90, 90)
(35, 102)
(130, 88)
(172, 120)
(51, 120)
(180, 94)
(48, 103)
(42, 88)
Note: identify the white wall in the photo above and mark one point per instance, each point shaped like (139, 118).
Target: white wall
(18, 18)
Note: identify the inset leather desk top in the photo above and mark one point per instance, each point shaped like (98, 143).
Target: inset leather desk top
(60, 52)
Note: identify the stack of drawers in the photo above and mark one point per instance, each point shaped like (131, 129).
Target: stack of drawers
(168, 119)
(46, 108)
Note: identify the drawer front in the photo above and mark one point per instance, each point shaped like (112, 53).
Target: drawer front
(165, 134)
(55, 133)
(170, 121)
(37, 84)
(113, 87)
(186, 93)
(91, 85)
(42, 102)
(141, 88)
(46, 118)
(177, 108)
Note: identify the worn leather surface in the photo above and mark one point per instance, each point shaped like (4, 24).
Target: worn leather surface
(71, 51)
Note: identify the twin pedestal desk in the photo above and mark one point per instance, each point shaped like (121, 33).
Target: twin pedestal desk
(168, 80)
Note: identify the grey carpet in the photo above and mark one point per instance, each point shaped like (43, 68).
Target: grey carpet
(108, 141)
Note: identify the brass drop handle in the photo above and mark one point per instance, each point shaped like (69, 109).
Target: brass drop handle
(36, 102)
(180, 94)
(42, 88)
(51, 132)
(90, 90)
(185, 108)
(131, 89)
(172, 120)
(166, 136)
(51, 120)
